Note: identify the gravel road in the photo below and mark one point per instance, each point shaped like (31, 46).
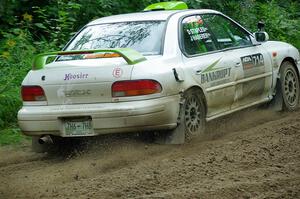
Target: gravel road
(252, 154)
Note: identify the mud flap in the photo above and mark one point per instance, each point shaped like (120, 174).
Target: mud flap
(277, 102)
(177, 135)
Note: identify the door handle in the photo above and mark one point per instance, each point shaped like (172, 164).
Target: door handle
(198, 72)
(238, 64)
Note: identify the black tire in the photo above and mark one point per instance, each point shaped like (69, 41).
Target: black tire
(194, 113)
(191, 123)
(289, 86)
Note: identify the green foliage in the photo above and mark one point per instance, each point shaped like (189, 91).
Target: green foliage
(9, 104)
(11, 135)
(15, 61)
(282, 22)
(55, 22)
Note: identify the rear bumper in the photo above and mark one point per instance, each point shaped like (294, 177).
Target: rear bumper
(154, 114)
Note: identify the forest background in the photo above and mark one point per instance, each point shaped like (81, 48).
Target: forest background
(29, 27)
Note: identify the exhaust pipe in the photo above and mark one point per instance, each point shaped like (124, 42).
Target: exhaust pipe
(46, 139)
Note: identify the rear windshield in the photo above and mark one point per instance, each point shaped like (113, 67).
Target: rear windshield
(143, 36)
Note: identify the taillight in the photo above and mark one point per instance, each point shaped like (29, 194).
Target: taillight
(33, 93)
(135, 88)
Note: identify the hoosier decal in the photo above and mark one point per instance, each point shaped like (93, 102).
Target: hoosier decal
(251, 61)
(74, 76)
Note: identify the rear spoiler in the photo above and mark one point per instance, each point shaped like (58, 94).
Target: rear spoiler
(131, 56)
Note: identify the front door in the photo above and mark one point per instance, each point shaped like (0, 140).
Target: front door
(255, 79)
(252, 64)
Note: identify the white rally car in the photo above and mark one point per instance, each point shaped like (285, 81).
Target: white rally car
(166, 69)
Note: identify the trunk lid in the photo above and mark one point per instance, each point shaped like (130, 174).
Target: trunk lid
(80, 81)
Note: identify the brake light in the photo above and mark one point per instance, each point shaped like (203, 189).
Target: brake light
(135, 88)
(33, 93)
(105, 55)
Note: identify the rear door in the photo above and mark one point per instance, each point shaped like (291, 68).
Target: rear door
(207, 65)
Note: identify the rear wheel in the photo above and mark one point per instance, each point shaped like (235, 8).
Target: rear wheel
(289, 86)
(192, 119)
(194, 114)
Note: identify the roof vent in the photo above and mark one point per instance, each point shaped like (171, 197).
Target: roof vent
(171, 5)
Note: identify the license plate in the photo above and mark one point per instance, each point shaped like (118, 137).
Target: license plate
(74, 128)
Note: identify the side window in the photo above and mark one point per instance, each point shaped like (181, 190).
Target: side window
(227, 33)
(196, 37)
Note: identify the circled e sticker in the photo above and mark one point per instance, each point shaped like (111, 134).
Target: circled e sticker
(117, 72)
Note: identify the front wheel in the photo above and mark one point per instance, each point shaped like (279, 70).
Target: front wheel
(289, 86)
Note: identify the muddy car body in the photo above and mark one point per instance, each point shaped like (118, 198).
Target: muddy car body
(167, 71)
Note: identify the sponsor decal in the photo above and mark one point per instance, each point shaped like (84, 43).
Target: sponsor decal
(194, 27)
(77, 93)
(117, 72)
(251, 61)
(211, 67)
(211, 74)
(73, 76)
(215, 75)
(199, 33)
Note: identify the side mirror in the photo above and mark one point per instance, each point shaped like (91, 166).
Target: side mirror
(261, 26)
(261, 36)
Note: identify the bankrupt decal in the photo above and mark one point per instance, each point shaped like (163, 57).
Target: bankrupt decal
(251, 61)
(215, 75)
(211, 73)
